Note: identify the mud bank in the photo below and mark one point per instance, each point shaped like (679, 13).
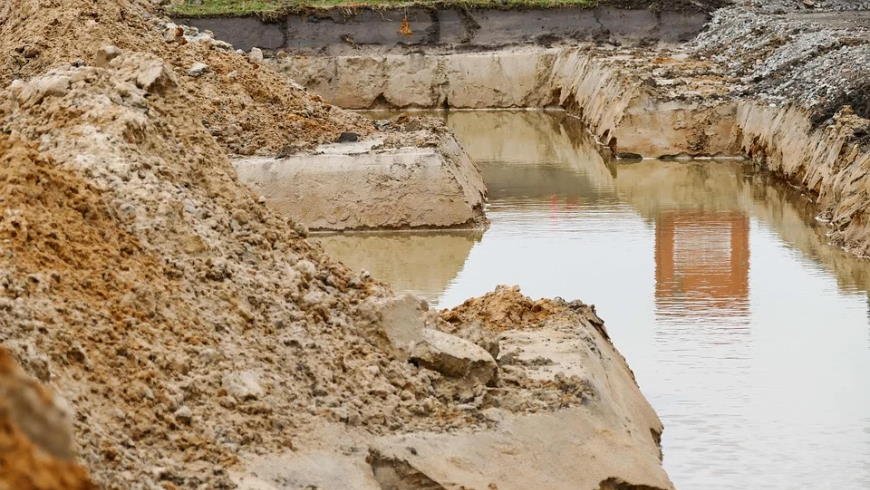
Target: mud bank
(344, 30)
(550, 342)
(353, 186)
(826, 162)
(802, 81)
(596, 84)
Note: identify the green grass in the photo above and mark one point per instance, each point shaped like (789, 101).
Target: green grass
(224, 7)
(204, 8)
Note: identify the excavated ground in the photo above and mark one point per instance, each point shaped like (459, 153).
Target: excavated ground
(202, 341)
(196, 334)
(348, 29)
(784, 83)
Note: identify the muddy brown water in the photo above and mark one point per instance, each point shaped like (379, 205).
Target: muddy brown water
(747, 332)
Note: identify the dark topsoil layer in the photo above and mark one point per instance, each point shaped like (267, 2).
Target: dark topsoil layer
(687, 6)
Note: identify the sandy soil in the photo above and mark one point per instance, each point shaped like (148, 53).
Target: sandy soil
(246, 109)
(35, 436)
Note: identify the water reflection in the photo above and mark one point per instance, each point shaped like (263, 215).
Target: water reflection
(747, 332)
(422, 263)
(702, 265)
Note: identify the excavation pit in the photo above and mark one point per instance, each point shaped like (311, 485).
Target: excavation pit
(686, 261)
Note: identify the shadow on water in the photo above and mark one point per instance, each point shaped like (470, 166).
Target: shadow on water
(746, 330)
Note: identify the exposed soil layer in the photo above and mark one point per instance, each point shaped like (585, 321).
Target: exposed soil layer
(191, 329)
(817, 60)
(428, 182)
(245, 108)
(804, 112)
(346, 31)
(644, 100)
(565, 347)
(277, 12)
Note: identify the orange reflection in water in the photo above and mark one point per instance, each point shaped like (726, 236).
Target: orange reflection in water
(702, 264)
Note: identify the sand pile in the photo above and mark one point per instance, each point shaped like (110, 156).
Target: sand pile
(169, 307)
(173, 310)
(246, 108)
(504, 308)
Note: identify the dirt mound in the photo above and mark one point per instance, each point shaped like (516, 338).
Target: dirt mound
(820, 61)
(246, 108)
(35, 436)
(168, 300)
(503, 309)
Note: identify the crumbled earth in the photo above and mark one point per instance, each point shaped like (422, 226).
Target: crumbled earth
(819, 60)
(502, 309)
(246, 108)
(782, 6)
(35, 436)
(139, 277)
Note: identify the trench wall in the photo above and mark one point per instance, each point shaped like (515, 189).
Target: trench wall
(357, 187)
(335, 31)
(476, 59)
(622, 112)
(825, 161)
(625, 115)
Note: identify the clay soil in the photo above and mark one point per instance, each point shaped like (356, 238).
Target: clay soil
(246, 109)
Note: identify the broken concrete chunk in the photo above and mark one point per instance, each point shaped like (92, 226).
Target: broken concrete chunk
(455, 357)
(198, 69)
(244, 385)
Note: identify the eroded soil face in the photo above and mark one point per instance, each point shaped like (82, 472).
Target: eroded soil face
(784, 84)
